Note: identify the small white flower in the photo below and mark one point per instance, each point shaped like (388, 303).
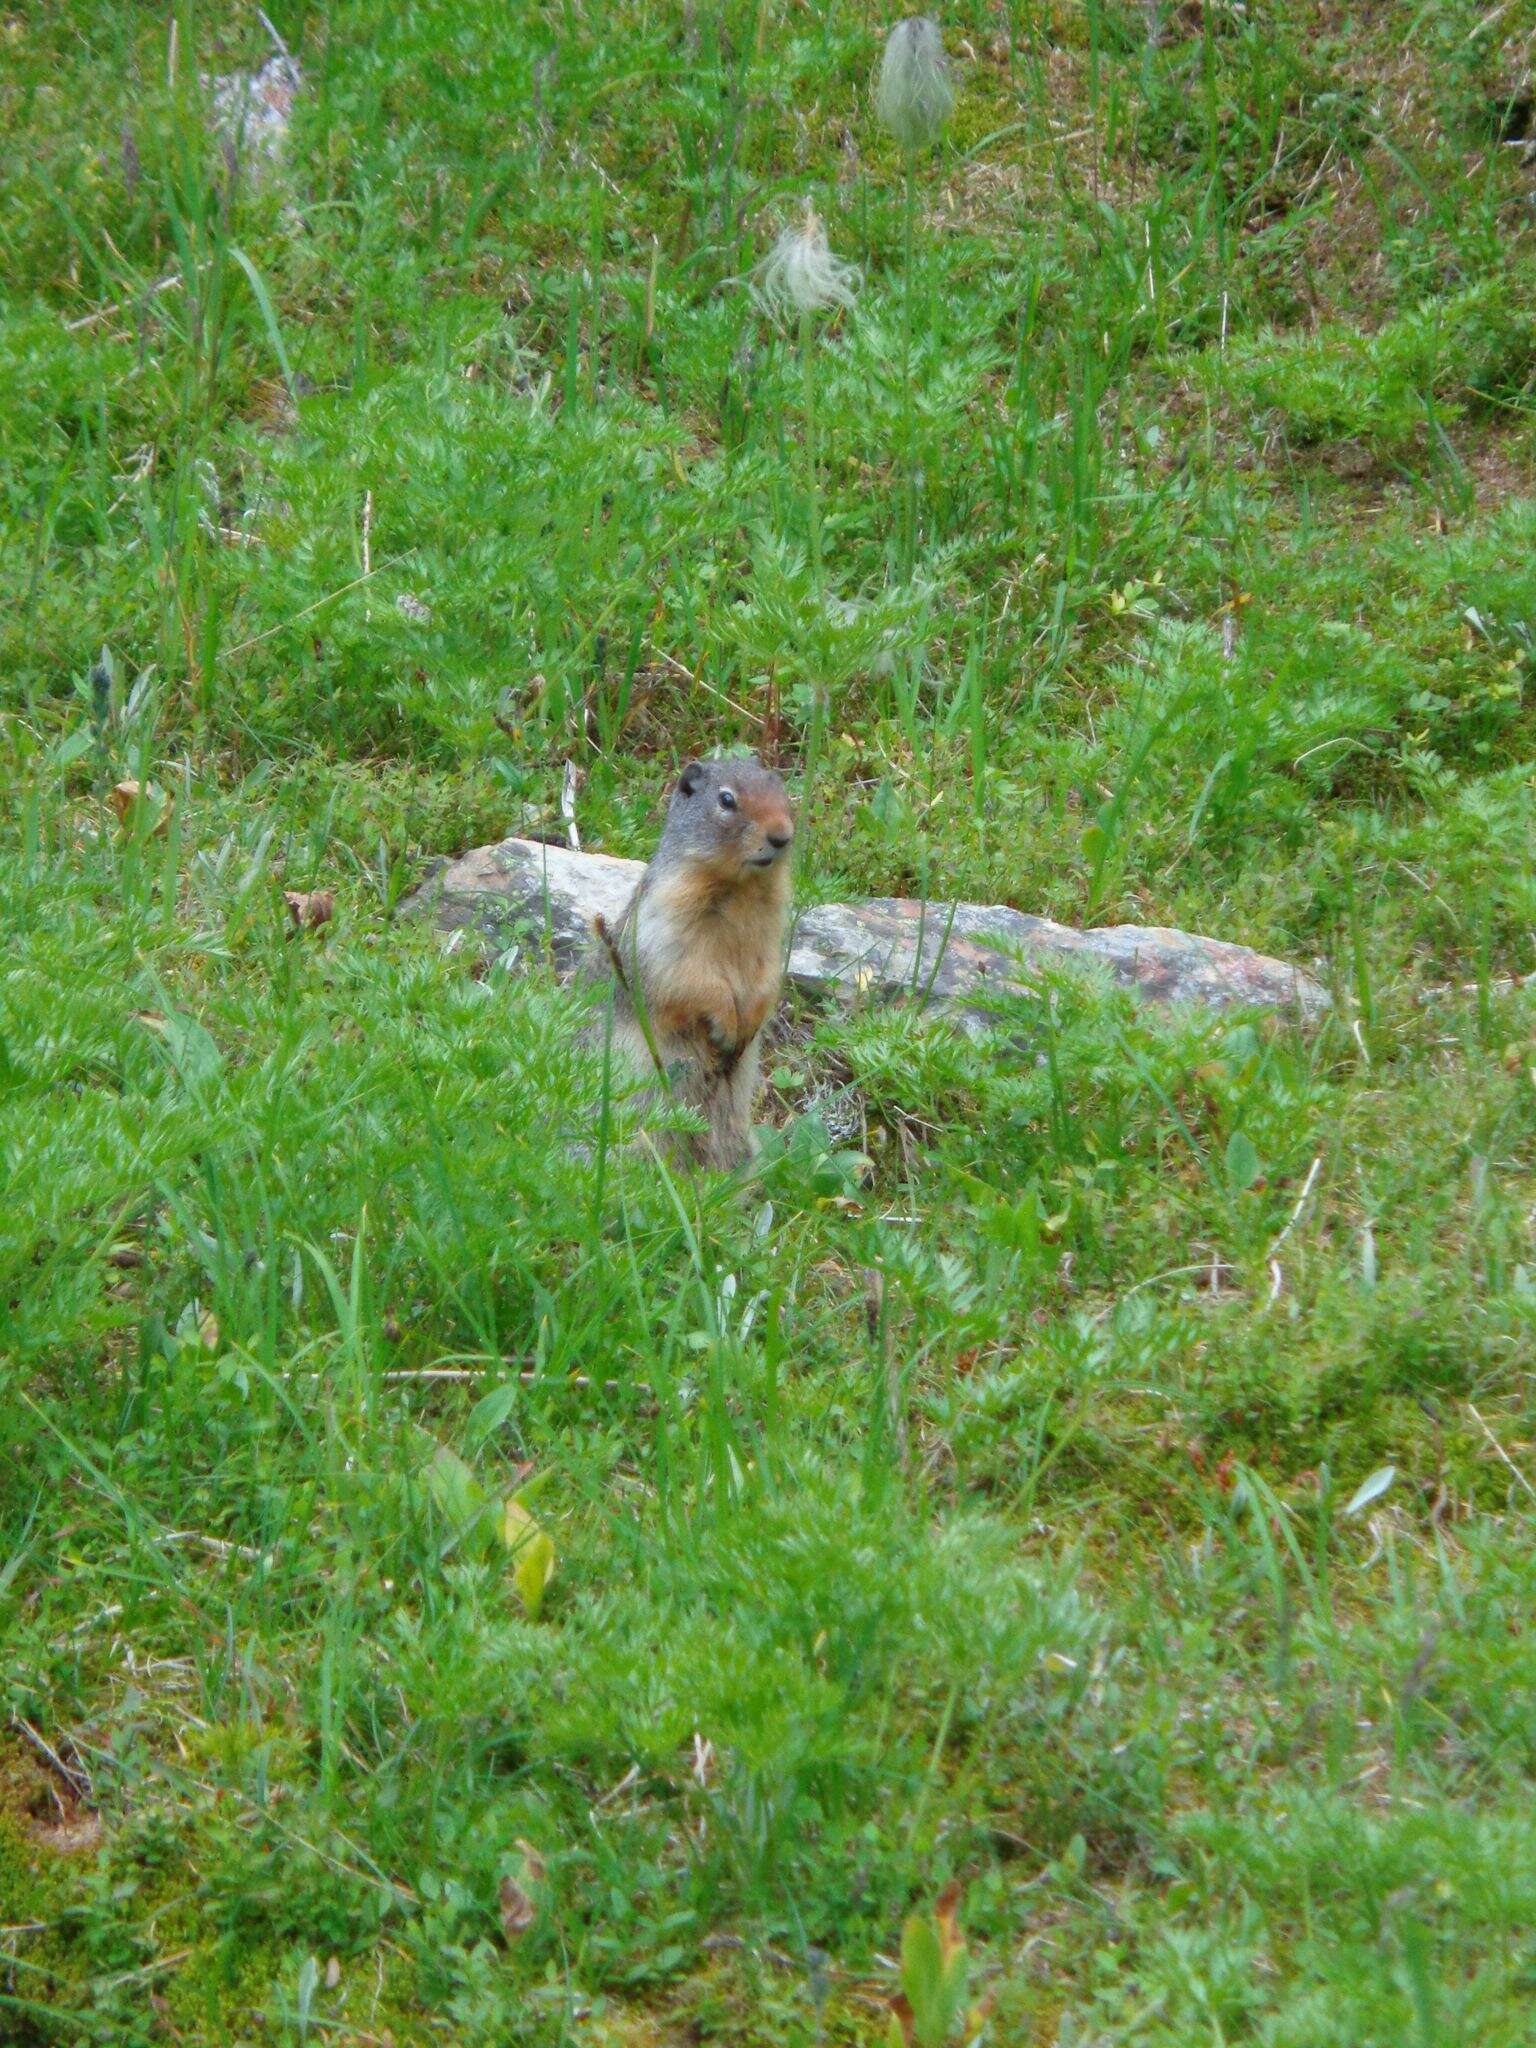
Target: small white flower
(915, 96)
(801, 275)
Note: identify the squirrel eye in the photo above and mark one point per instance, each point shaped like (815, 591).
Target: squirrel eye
(727, 799)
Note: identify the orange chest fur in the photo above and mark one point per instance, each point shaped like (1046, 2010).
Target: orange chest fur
(712, 954)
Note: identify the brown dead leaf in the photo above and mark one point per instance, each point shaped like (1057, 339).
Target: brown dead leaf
(130, 798)
(208, 1330)
(517, 1909)
(310, 908)
(874, 1298)
(837, 1279)
(333, 1973)
(947, 1913)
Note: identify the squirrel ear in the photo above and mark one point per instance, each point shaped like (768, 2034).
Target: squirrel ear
(690, 778)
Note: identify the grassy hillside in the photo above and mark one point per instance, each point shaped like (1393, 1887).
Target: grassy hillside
(1094, 1466)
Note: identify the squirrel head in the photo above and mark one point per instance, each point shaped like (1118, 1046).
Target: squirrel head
(731, 816)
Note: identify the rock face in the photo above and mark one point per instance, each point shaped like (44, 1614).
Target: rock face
(891, 947)
(251, 111)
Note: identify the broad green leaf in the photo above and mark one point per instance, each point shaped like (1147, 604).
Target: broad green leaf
(533, 1555)
(458, 1494)
(1242, 1162)
(491, 1411)
(191, 1049)
(922, 1962)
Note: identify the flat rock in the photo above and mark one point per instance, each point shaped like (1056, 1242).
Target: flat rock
(252, 110)
(889, 947)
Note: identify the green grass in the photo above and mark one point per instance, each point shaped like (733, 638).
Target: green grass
(970, 1494)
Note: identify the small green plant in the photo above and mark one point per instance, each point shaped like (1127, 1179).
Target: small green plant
(930, 2009)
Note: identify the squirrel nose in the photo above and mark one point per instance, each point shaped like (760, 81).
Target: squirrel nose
(779, 840)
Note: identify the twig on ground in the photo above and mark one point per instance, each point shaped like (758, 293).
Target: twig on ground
(278, 43)
(146, 1970)
(568, 782)
(106, 312)
(630, 1777)
(244, 646)
(714, 1943)
(699, 684)
(1508, 1460)
(1301, 1202)
(72, 1775)
(1208, 1269)
(1500, 985)
(216, 1544)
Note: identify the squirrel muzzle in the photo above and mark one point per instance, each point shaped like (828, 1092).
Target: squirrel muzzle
(775, 836)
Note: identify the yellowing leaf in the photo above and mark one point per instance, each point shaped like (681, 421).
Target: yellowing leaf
(477, 1521)
(533, 1555)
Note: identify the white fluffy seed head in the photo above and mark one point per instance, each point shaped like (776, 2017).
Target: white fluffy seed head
(801, 275)
(915, 96)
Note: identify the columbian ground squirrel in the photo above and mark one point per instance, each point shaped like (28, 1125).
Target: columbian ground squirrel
(697, 955)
